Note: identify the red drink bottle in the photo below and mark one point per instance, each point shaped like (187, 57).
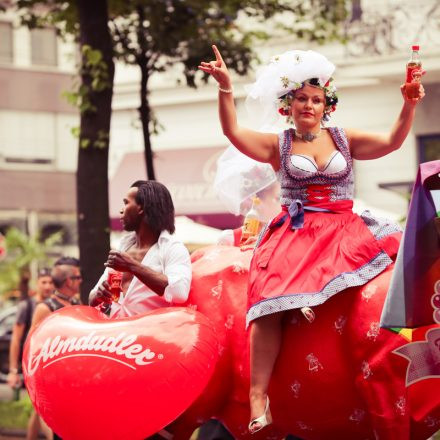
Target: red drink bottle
(413, 73)
(115, 281)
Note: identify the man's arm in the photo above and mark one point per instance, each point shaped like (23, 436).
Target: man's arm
(123, 262)
(14, 354)
(177, 267)
(173, 284)
(41, 311)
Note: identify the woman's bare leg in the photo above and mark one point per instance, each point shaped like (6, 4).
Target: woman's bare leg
(265, 343)
(45, 429)
(33, 427)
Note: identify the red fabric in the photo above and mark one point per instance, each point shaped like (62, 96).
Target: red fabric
(304, 260)
(336, 378)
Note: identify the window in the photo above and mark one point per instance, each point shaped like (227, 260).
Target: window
(429, 147)
(36, 144)
(44, 47)
(5, 42)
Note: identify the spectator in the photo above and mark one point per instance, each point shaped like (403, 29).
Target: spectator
(66, 276)
(67, 279)
(26, 307)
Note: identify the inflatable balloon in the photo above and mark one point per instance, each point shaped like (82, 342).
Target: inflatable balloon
(90, 377)
(339, 377)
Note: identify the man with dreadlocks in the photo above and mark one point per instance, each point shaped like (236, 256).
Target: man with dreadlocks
(157, 263)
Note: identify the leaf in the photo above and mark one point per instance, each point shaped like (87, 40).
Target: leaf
(75, 131)
(21, 251)
(94, 57)
(84, 143)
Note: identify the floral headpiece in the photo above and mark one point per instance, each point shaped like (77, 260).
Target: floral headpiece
(271, 94)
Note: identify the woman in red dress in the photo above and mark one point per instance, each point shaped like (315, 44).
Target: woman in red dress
(316, 247)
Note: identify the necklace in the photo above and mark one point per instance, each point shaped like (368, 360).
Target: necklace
(63, 297)
(309, 136)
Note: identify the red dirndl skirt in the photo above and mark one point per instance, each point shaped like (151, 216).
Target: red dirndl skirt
(332, 251)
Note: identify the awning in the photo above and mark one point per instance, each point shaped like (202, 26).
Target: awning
(187, 173)
(192, 234)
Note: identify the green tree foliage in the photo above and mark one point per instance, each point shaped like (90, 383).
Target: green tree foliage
(20, 251)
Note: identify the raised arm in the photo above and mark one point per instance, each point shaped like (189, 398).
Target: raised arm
(259, 146)
(366, 146)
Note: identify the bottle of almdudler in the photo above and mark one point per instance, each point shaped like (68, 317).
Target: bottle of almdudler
(413, 73)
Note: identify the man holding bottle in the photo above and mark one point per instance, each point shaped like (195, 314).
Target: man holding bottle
(156, 266)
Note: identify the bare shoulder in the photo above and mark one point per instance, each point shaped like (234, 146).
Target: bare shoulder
(273, 138)
(352, 133)
(355, 136)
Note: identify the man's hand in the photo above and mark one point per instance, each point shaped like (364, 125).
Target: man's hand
(14, 379)
(248, 243)
(121, 261)
(100, 295)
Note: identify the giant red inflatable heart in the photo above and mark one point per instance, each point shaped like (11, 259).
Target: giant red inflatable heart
(94, 378)
(336, 378)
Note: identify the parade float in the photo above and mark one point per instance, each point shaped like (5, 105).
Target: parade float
(343, 376)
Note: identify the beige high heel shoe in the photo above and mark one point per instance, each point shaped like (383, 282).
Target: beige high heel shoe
(308, 313)
(262, 420)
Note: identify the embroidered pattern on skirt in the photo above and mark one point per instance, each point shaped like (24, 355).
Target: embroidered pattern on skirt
(343, 281)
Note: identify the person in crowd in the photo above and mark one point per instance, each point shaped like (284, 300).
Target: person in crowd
(157, 263)
(268, 207)
(26, 307)
(66, 276)
(316, 247)
(238, 180)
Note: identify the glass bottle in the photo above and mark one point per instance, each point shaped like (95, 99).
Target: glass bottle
(115, 282)
(251, 224)
(413, 73)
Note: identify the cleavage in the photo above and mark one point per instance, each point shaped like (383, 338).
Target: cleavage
(312, 159)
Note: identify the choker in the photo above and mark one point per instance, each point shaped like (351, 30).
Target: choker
(308, 137)
(63, 297)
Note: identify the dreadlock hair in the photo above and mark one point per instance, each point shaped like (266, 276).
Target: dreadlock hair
(157, 204)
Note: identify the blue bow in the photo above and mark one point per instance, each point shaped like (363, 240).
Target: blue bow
(296, 212)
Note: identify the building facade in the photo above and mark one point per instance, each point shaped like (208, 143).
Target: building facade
(38, 154)
(370, 69)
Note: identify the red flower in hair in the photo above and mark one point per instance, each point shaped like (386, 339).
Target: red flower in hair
(327, 83)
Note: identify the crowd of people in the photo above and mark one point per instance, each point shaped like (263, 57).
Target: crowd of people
(310, 240)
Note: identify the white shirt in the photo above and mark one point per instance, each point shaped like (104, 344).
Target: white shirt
(168, 256)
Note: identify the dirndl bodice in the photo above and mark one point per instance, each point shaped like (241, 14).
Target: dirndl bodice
(316, 246)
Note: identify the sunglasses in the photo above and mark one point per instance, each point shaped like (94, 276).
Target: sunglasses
(76, 277)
